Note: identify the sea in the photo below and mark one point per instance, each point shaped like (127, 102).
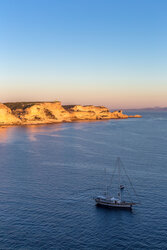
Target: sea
(50, 174)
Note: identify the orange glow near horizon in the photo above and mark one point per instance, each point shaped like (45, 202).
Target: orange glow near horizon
(80, 53)
(112, 97)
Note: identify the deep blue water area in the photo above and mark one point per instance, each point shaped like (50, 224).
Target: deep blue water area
(50, 174)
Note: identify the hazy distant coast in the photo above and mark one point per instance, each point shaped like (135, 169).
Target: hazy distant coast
(149, 109)
(27, 113)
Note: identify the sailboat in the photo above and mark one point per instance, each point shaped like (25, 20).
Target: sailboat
(108, 200)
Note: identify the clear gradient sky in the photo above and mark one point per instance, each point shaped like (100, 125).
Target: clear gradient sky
(102, 52)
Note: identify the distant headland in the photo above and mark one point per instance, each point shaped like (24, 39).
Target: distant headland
(28, 113)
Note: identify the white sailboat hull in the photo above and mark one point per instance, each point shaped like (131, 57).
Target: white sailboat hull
(108, 203)
(119, 201)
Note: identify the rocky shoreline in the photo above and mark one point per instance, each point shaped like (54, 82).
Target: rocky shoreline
(29, 113)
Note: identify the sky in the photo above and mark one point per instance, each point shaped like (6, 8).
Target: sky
(100, 52)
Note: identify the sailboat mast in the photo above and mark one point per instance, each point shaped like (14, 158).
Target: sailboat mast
(119, 178)
(106, 182)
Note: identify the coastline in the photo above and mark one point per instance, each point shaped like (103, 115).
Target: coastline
(43, 113)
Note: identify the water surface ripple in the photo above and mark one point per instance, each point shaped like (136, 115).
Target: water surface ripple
(49, 175)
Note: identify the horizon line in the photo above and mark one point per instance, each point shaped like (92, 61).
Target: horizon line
(110, 107)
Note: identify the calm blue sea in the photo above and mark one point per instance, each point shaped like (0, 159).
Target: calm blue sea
(49, 174)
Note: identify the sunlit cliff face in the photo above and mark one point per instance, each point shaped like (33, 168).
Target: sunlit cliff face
(53, 112)
(6, 115)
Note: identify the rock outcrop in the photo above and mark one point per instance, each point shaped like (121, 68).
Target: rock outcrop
(95, 113)
(134, 116)
(118, 115)
(45, 113)
(53, 112)
(6, 116)
(89, 113)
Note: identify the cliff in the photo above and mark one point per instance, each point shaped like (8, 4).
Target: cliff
(45, 113)
(53, 112)
(6, 116)
(94, 113)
